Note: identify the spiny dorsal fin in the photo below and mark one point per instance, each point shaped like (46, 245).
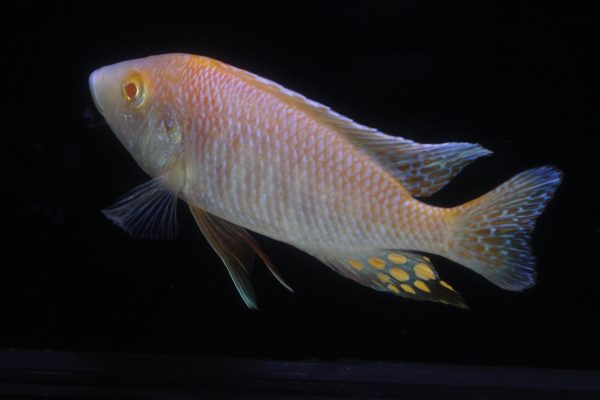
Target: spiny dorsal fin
(236, 248)
(398, 272)
(423, 169)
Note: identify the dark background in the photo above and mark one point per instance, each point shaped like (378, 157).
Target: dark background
(517, 79)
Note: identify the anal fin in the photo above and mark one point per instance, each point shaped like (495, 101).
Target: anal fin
(399, 272)
(237, 249)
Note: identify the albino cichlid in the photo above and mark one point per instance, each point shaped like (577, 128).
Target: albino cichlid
(247, 154)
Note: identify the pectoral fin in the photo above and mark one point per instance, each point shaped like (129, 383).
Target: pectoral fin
(237, 249)
(398, 272)
(147, 212)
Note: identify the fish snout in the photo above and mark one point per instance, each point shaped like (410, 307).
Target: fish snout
(94, 82)
(100, 88)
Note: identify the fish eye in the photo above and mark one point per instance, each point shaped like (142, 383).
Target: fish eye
(133, 91)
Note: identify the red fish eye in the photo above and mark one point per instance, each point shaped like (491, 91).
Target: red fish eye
(131, 91)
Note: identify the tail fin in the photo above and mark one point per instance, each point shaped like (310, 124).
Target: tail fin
(493, 233)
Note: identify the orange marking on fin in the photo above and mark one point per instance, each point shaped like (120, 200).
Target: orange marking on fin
(400, 274)
(408, 289)
(357, 265)
(393, 288)
(376, 262)
(424, 272)
(397, 258)
(422, 286)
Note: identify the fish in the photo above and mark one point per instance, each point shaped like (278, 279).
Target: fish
(246, 154)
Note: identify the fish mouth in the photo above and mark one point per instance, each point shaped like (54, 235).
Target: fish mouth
(92, 82)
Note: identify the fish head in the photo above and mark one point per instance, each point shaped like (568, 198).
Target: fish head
(139, 102)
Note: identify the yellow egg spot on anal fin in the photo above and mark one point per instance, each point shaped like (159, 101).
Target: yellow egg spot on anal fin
(397, 258)
(407, 288)
(393, 288)
(422, 286)
(447, 285)
(400, 274)
(378, 269)
(423, 271)
(357, 265)
(376, 262)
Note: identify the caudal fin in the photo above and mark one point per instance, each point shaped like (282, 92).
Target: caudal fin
(493, 232)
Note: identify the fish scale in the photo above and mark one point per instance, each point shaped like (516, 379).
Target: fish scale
(290, 145)
(245, 153)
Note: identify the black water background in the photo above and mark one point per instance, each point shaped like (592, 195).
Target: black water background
(516, 78)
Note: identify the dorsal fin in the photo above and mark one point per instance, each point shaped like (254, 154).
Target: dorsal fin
(423, 169)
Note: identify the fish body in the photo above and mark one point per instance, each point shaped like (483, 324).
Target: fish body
(265, 161)
(246, 153)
